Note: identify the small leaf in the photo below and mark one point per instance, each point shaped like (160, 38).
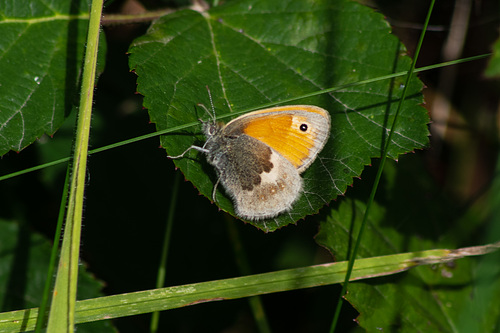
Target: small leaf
(252, 53)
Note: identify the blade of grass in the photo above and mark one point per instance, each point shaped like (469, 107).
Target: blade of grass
(179, 128)
(62, 310)
(291, 279)
(352, 258)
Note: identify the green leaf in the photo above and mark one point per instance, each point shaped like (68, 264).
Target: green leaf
(23, 268)
(254, 53)
(41, 53)
(493, 69)
(412, 215)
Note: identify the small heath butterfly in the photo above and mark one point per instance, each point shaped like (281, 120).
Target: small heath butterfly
(260, 155)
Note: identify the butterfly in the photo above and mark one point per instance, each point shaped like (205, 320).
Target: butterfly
(260, 155)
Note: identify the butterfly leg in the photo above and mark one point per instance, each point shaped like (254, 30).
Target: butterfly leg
(200, 149)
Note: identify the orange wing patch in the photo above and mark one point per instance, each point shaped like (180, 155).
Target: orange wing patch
(282, 133)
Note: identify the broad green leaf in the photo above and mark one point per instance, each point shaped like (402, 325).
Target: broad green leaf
(41, 53)
(256, 53)
(23, 269)
(412, 215)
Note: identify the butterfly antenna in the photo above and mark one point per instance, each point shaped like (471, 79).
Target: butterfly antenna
(211, 114)
(211, 103)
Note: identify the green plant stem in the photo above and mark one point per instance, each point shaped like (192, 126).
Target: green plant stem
(255, 302)
(162, 270)
(383, 159)
(62, 310)
(40, 321)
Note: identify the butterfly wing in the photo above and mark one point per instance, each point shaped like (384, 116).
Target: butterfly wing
(297, 132)
(261, 182)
